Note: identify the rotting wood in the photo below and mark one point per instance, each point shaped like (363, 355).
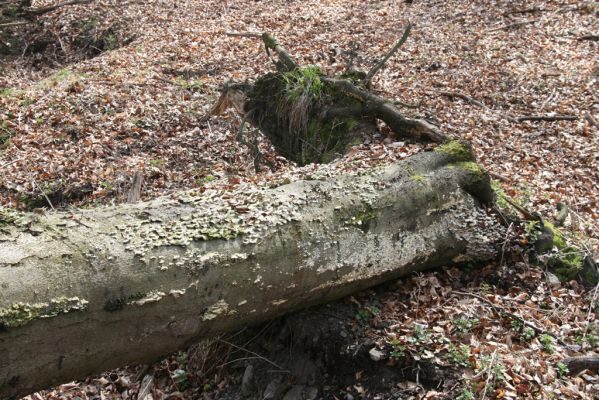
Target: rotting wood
(317, 127)
(576, 365)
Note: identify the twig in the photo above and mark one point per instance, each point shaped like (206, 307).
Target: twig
(589, 117)
(594, 38)
(270, 43)
(548, 99)
(489, 374)
(548, 117)
(527, 214)
(591, 308)
(252, 353)
(406, 105)
(44, 10)
(9, 163)
(528, 11)
(43, 194)
(498, 176)
(390, 53)
(462, 96)
(501, 310)
(512, 25)
(245, 34)
(17, 23)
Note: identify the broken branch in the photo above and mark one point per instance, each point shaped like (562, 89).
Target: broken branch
(462, 96)
(381, 63)
(548, 117)
(513, 25)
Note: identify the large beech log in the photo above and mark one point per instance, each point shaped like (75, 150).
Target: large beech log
(85, 292)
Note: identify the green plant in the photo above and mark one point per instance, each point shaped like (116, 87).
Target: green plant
(562, 370)
(500, 194)
(516, 325)
(528, 333)
(365, 314)
(303, 82)
(204, 180)
(110, 41)
(464, 325)
(547, 343)
(466, 394)
(459, 355)
(156, 163)
(399, 350)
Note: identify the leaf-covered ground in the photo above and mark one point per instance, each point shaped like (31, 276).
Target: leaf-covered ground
(76, 129)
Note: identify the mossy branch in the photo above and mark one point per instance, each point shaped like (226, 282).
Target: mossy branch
(286, 62)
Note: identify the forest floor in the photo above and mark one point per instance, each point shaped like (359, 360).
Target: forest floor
(98, 92)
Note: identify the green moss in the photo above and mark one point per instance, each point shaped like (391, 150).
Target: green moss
(472, 167)
(459, 151)
(362, 219)
(500, 195)
(417, 178)
(20, 314)
(8, 216)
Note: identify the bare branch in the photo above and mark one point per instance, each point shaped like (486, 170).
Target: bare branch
(462, 96)
(512, 25)
(44, 10)
(548, 117)
(381, 63)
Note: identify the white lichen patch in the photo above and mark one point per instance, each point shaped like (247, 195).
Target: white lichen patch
(217, 309)
(176, 293)
(20, 314)
(151, 297)
(248, 211)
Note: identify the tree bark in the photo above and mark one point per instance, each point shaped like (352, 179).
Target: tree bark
(106, 287)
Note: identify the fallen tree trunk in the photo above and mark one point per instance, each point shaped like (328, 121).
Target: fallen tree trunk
(117, 285)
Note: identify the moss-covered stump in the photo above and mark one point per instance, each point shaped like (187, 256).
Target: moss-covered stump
(306, 118)
(87, 291)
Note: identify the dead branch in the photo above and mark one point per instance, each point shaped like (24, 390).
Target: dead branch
(245, 34)
(11, 24)
(287, 63)
(528, 11)
(513, 25)
(384, 109)
(462, 96)
(548, 117)
(135, 192)
(589, 117)
(381, 63)
(594, 38)
(578, 364)
(44, 10)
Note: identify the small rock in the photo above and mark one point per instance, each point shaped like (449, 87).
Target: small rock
(274, 390)
(246, 381)
(553, 280)
(376, 354)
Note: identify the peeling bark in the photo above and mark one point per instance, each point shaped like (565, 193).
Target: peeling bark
(116, 285)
